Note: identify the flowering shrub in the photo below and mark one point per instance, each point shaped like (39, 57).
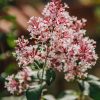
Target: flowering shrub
(57, 41)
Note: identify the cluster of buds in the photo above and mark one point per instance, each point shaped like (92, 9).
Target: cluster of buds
(58, 40)
(19, 83)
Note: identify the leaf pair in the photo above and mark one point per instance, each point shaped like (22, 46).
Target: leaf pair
(91, 87)
(35, 92)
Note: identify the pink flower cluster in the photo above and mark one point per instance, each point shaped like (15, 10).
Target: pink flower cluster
(19, 83)
(59, 40)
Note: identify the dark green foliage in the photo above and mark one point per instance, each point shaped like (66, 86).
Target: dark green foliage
(10, 40)
(35, 93)
(37, 65)
(91, 86)
(50, 76)
(2, 79)
(10, 68)
(3, 3)
(9, 17)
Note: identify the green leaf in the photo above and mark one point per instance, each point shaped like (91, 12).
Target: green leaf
(97, 12)
(91, 87)
(92, 77)
(10, 68)
(50, 76)
(2, 79)
(35, 93)
(37, 65)
(11, 37)
(10, 40)
(9, 17)
(95, 91)
(3, 3)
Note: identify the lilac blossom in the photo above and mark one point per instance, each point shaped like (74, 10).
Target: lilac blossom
(19, 83)
(58, 41)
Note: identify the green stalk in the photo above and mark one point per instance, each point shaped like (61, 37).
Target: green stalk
(44, 65)
(81, 94)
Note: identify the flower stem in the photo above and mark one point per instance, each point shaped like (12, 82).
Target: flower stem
(81, 94)
(43, 70)
(44, 65)
(81, 97)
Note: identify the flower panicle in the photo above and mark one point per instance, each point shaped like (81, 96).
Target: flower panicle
(69, 50)
(59, 39)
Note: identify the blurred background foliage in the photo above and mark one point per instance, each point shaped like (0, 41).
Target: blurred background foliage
(14, 15)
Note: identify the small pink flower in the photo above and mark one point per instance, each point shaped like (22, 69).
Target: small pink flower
(11, 84)
(19, 83)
